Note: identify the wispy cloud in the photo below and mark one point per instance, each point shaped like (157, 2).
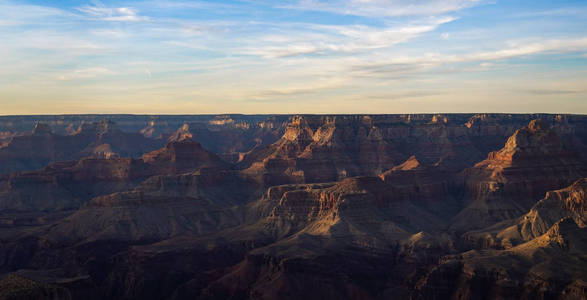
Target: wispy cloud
(551, 92)
(521, 49)
(110, 33)
(61, 42)
(383, 8)
(405, 95)
(322, 40)
(99, 11)
(259, 54)
(15, 14)
(385, 67)
(563, 11)
(85, 73)
(294, 91)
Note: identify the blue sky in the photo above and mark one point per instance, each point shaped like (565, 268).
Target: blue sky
(306, 56)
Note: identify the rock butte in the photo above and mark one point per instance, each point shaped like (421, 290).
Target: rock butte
(293, 207)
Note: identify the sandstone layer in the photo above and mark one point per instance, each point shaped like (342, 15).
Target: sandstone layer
(510, 181)
(443, 206)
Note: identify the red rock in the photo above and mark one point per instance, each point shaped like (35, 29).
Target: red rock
(570, 202)
(103, 139)
(180, 223)
(547, 265)
(67, 185)
(510, 181)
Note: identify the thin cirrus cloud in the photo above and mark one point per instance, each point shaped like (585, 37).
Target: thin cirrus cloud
(258, 56)
(99, 11)
(339, 39)
(541, 92)
(382, 8)
(17, 14)
(85, 73)
(434, 59)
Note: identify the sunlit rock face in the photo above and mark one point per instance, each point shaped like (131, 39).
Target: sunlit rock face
(510, 181)
(420, 206)
(569, 202)
(329, 148)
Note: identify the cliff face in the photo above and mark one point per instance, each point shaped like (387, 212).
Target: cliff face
(99, 140)
(225, 135)
(397, 205)
(336, 241)
(329, 148)
(182, 156)
(542, 255)
(457, 139)
(159, 208)
(304, 233)
(297, 207)
(547, 266)
(67, 185)
(511, 180)
(569, 202)
(17, 287)
(320, 151)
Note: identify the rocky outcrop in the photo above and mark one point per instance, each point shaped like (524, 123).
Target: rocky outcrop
(181, 134)
(329, 148)
(226, 135)
(455, 140)
(318, 207)
(67, 185)
(182, 156)
(358, 210)
(569, 202)
(315, 227)
(108, 140)
(510, 181)
(435, 189)
(159, 208)
(305, 232)
(13, 287)
(549, 266)
(99, 140)
(322, 149)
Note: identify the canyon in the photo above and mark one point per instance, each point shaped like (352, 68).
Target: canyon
(413, 206)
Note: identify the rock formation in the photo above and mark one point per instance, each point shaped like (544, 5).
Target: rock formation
(67, 185)
(293, 207)
(100, 140)
(182, 156)
(569, 202)
(513, 179)
(159, 208)
(549, 266)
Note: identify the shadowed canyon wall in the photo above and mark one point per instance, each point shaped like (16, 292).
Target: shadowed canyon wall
(421, 206)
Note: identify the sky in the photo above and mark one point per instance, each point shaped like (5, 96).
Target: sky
(293, 56)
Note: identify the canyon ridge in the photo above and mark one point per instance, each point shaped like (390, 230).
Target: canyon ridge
(412, 206)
